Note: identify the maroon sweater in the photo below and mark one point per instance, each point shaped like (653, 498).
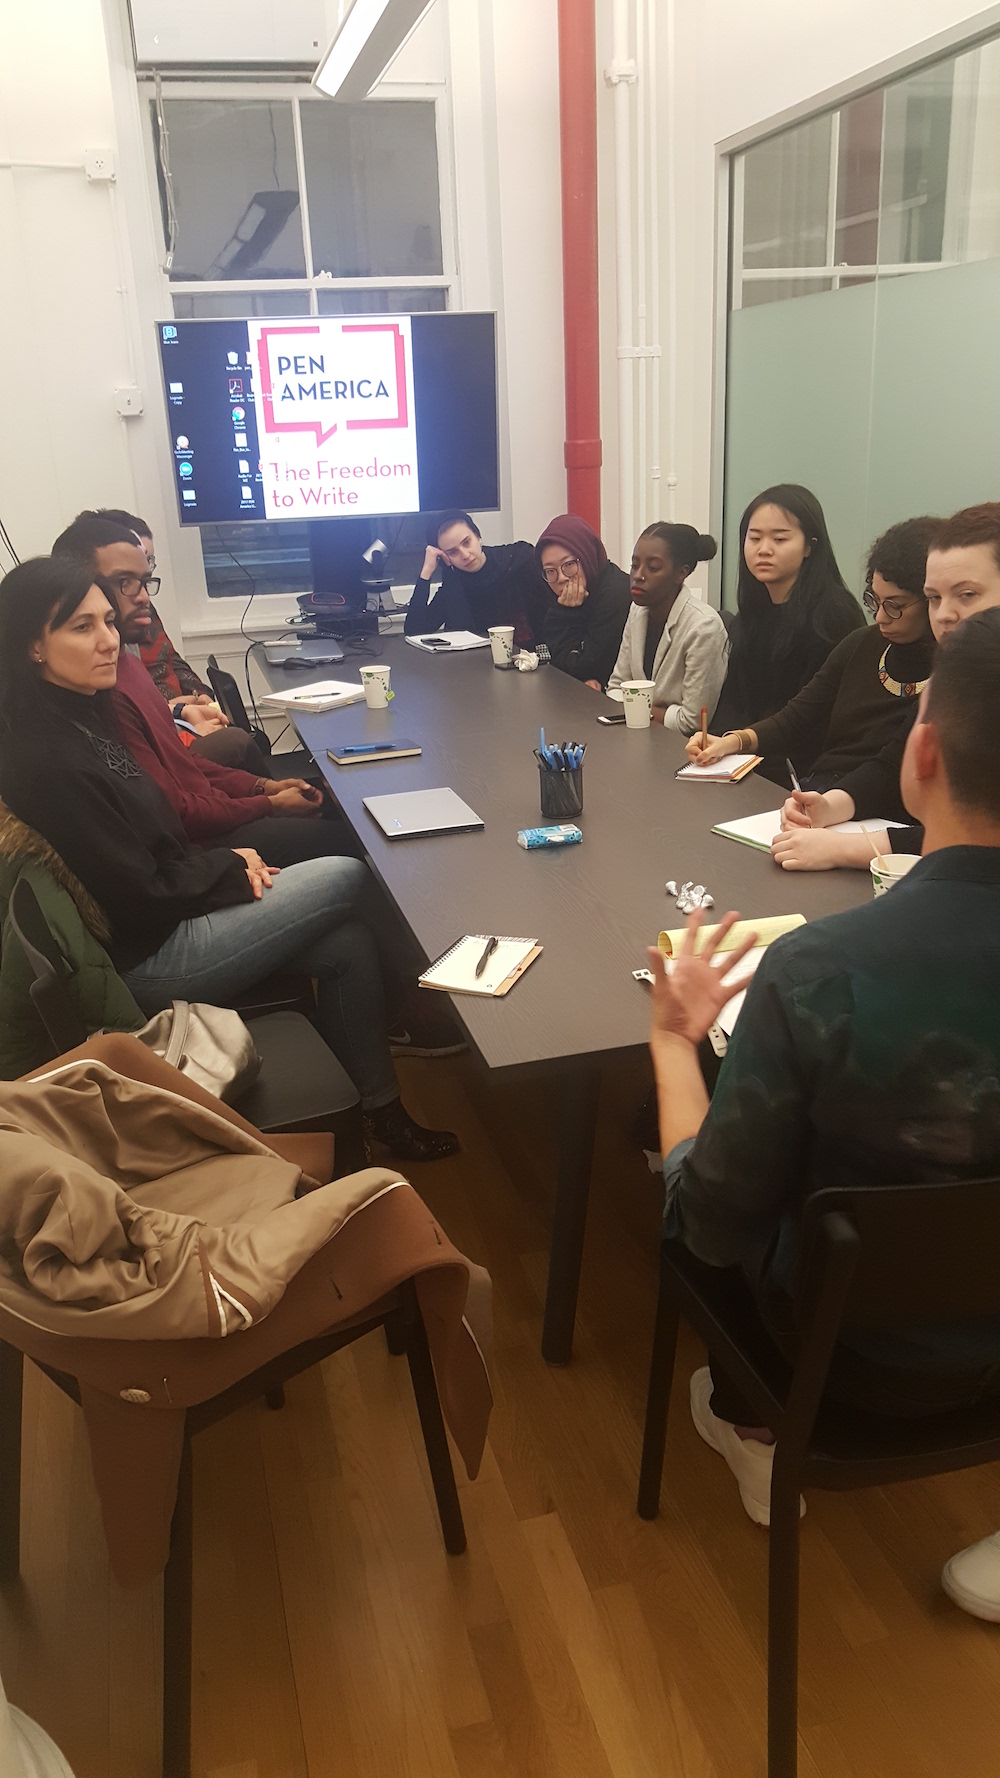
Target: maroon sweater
(210, 800)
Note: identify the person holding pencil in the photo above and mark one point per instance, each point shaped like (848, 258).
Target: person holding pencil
(864, 697)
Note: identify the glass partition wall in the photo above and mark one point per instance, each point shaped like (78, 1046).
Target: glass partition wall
(864, 296)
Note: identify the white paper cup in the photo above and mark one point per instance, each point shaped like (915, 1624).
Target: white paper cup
(502, 645)
(376, 683)
(895, 866)
(637, 698)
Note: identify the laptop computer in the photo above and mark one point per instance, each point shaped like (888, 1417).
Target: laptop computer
(412, 812)
(304, 654)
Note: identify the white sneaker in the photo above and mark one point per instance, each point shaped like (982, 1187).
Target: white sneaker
(750, 1461)
(972, 1578)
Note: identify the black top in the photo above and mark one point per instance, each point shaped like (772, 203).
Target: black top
(765, 671)
(76, 783)
(584, 639)
(508, 589)
(845, 716)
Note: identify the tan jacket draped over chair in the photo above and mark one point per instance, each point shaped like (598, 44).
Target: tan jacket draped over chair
(154, 1247)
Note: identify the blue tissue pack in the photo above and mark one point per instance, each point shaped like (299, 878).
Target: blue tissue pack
(565, 834)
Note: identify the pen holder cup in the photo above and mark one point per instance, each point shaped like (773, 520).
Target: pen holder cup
(561, 793)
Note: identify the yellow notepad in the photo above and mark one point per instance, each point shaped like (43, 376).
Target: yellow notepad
(455, 972)
(767, 931)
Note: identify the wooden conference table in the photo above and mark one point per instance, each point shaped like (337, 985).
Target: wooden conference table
(593, 907)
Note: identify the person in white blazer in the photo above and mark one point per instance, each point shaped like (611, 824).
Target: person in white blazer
(671, 637)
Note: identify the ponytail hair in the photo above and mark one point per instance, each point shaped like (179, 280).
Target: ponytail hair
(687, 546)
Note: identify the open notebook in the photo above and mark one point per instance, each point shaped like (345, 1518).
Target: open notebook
(455, 972)
(311, 700)
(724, 771)
(760, 830)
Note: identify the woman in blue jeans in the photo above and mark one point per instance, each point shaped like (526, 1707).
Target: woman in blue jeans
(186, 923)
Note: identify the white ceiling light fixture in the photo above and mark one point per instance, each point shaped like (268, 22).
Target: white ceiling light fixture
(368, 41)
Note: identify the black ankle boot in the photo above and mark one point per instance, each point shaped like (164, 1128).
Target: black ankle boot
(392, 1126)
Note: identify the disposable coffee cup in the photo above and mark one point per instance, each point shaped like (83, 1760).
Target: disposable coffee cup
(888, 870)
(376, 683)
(502, 645)
(637, 699)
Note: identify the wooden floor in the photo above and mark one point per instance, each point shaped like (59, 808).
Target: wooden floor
(335, 1639)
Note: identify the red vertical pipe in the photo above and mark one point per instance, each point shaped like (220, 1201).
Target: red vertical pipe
(578, 141)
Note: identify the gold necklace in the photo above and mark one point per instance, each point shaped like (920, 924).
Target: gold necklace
(910, 689)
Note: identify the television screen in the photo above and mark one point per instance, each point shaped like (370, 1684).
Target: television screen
(331, 416)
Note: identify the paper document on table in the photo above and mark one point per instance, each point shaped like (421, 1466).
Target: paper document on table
(448, 641)
(760, 830)
(722, 771)
(325, 694)
(455, 972)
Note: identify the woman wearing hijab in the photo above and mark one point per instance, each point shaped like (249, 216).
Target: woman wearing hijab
(793, 606)
(583, 629)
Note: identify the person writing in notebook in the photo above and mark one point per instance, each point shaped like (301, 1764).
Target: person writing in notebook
(481, 584)
(867, 1053)
(864, 697)
(962, 577)
(671, 637)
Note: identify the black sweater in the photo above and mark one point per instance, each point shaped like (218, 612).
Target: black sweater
(845, 717)
(584, 639)
(112, 825)
(764, 674)
(508, 589)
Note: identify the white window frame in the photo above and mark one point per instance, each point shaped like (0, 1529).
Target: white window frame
(201, 614)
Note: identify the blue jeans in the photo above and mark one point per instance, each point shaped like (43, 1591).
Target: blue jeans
(313, 919)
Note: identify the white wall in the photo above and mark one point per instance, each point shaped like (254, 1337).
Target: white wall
(738, 66)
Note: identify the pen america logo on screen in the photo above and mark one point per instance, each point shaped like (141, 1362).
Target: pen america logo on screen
(334, 401)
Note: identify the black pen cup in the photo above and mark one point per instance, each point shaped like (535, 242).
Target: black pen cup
(561, 791)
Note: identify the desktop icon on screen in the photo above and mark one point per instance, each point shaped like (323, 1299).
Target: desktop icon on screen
(170, 333)
(185, 469)
(233, 357)
(177, 388)
(181, 442)
(188, 495)
(239, 413)
(246, 493)
(244, 466)
(240, 440)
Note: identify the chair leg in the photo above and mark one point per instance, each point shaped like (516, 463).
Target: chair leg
(661, 1377)
(275, 1398)
(783, 1624)
(11, 1377)
(395, 1335)
(418, 1357)
(177, 1630)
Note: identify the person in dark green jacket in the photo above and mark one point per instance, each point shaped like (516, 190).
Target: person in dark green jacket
(584, 622)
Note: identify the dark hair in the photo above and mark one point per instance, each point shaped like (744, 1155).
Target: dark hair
(974, 524)
(445, 519)
(817, 592)
(900, 554)
(91, 531)
(46, 590)
(687, 546)
(119, 516)
(961, 703)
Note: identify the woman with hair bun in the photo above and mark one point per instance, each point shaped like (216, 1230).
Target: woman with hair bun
(671, 637)
(583, 628)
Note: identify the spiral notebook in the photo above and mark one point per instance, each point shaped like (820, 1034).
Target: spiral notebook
(455, 972)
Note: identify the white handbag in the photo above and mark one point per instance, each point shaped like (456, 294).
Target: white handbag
(210, 1044)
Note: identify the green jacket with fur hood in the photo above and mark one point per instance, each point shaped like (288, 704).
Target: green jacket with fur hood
(81, 931)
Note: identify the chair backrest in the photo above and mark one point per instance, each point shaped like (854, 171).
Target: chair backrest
(926, 1254)
(50, 988)
(227, 696)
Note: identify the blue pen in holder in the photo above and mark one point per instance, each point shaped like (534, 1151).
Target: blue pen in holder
(561, 789)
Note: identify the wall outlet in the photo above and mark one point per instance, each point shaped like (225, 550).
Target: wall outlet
(99, 166)
(128, 400)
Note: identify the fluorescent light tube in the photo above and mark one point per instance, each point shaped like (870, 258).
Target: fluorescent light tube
(370, 38)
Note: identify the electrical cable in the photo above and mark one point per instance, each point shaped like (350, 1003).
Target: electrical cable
(8, 546)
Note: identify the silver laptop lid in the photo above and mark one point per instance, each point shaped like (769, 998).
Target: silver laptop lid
(412, 812)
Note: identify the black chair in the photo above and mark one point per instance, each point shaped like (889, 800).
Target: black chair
(298, 762)
(399, 1315)
(872, 1260)
(301, 1084)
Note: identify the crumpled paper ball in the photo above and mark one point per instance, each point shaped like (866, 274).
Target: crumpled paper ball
(690, 896)
(525, 662)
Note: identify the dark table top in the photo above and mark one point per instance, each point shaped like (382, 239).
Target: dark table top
(593, 907)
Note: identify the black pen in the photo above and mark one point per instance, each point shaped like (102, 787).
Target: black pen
(490, 947)
(791, 773)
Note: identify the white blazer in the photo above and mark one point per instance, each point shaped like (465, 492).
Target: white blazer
(689, 665)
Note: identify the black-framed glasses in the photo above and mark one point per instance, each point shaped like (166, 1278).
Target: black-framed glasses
(562, 570)
(891, 607)
(129, 585)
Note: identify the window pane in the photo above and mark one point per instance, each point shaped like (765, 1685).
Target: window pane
(241, 303)
(859, 170)
(235, 188)
(241, 559)
(372, 182)
(786, 190)
(777, 290)
(380, 302)
(915, 166)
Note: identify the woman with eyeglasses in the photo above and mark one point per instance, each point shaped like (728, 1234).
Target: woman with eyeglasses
(864, 697)
(583, 628)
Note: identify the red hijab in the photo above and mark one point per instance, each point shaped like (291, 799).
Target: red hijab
(576, 536)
